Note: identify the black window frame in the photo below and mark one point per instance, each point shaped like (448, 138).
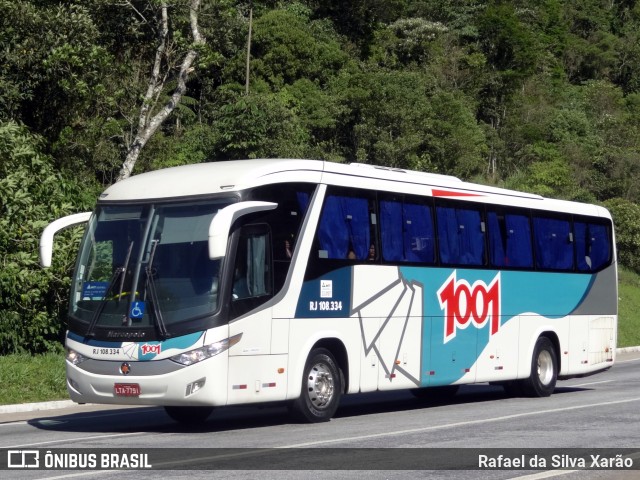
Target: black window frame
(461, 205)
(410, 244)
(484, 210)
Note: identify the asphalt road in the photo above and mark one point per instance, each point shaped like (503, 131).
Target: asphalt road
(601, 411)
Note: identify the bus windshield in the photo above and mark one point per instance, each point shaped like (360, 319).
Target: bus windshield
(146, 266)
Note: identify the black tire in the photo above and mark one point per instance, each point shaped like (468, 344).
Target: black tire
(189, 415)
(544, 370)
(436, 394)
(320, 390)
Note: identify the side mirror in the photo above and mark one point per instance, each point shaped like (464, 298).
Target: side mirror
(46, 239)
(221, 224)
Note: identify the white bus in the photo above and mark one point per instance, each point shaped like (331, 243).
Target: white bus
(301, 280)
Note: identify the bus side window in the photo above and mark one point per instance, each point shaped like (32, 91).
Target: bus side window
(553, 242)
(406, 231)
(285, 222)
(509, 236)
(252, 272)
(461, 235)
(345, 230)
(593, 248)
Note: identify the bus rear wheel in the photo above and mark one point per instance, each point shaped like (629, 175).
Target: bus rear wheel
(189, 415)
(320, 390)
(544, 370)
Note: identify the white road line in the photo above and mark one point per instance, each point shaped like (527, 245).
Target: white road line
(535, 476)
(557, 473)
(369, 436)
(627, 361)
(65, 440)
(541, 475)
(21, 422)
(462, 424)
(590, 383)
(546, 474)
(82, 416)
(85, 473)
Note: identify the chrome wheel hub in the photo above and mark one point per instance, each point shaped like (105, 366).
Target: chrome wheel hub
(320, 386)
(545, 367)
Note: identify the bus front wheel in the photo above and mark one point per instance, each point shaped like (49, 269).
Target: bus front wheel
(321, 388)
(544, 370)
(189, 415)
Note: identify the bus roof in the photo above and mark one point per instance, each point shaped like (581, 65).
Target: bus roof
(235, 175)
(210, 178)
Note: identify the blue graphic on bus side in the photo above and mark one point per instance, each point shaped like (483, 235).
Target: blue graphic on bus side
(519, 293)
(327, 296)
(461, 308)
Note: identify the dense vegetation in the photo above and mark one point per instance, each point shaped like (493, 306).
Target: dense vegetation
(538, 95)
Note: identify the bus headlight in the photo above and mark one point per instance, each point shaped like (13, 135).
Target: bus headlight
(74, 357)
(208, 351)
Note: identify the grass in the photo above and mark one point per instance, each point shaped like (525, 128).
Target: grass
(27, 378)
(41, 378)
(628, 308)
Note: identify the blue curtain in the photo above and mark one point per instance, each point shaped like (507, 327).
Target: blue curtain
(303, 201)
(407, 232)
(510, 240)
(553, 249)
(344, 227)
(592, 246)
(519, 251)
(391, 231)
(497, 241)
(419, 245)
(461, 236)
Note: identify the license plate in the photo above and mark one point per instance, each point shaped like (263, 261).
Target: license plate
(127, 389)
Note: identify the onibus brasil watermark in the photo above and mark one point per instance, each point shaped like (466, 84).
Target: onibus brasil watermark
(36, 459)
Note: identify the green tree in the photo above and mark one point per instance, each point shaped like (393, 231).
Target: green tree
(626, 218)
(151, 115)
(32, 193)
(257, 125)
(591, 48)
(627, 72)
(407, 41)
(53, 65)
(292, 109)
(358, 20)
(400, 119)
(288, 46)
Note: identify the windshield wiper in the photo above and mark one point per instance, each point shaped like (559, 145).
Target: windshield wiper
(155, 302)
(124, 268)
(119, 273)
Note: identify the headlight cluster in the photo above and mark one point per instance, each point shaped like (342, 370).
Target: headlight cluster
(74, 357)
(208, 351)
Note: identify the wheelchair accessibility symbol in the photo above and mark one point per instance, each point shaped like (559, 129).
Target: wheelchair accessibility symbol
(137, 310)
